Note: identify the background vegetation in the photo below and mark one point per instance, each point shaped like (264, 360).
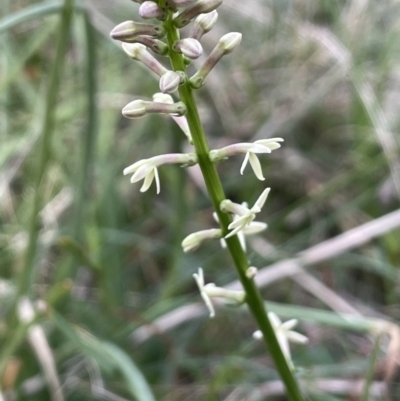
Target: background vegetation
(107, 304)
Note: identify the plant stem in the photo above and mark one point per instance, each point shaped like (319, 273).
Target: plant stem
(217, 195)
(27, 274)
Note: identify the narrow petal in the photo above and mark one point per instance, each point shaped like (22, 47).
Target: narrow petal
(246, 159)
(256, 166)
(199, 277)
(141, 172)
(242, 239)
(147, 181)
(289, 324)
(296, 337)
(275, 321)
(157, 180)
(208, 303)
(241, 221)
(261, 200)
(223, 243)
(234, 232)
(133, 167)
(254, 227)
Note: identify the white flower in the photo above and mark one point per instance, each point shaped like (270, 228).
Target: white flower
(252, 228)
(284, 334)
(210, 290)
(251, 149)
(193, 241)
(246, 216)
(147, 168)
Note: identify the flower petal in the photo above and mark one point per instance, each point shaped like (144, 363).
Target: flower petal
(288, 325)
(141, 172)
(147, 181)
(261, 200)
(254, 227)
(296, 337)
(256, 166)
(157, 180)
(246, 159)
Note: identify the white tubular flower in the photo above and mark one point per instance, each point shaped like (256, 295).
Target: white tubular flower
(246, 216)
(252, 228)
(193, 241)
(208, 291)
(147, 168)
(284, 334)
(251, 149)
(137, 51)
(180, 120)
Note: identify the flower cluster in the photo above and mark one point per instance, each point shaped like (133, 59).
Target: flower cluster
(147, 43)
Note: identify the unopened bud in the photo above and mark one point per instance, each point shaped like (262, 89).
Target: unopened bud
(203, 24)
(189, 47)
(199, 7)
(139, 108)
(226, 45)
(149, 9)
(139, 52)
(170, 81)
(230, 42)
(127, 31)
(251, 272)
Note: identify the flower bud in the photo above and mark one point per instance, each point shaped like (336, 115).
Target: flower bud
(203, 24)
(226, 45)
(139, 108)
(230, 42)
(149, 9)
(199, 7)
(139, 52)
(170, 81)
(189, 47)
(129, 30)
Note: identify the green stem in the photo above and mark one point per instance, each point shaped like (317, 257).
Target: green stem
(27, 273)
(217, 195)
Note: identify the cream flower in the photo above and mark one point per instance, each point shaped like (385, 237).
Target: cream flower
(251, 149)
(284, 334)
(210, 290)
(147, 168)
(246, 216)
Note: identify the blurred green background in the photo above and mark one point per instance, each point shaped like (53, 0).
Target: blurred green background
(97, 297)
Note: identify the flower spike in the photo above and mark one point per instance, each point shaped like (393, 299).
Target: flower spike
(208, 291)
(227, 44)
(147, 168)
(284, 334)
(246, 216)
